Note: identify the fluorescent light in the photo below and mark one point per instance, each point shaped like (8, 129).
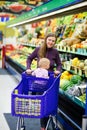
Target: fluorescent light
(76, 6)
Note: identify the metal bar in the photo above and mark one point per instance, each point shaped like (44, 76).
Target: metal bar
(67, 117)
(84, 122)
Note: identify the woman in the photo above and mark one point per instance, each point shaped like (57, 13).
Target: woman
(46, 50)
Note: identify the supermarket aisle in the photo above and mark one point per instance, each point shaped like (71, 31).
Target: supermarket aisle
(7, 83)
(7, 122)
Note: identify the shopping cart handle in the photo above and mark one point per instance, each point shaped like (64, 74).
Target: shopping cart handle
(50, 73)
(25, 74)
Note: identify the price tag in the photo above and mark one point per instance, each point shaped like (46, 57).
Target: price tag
(73, 49)
(64, 65)
(64, 48)
(68, 67)
(60, 47)
(85, 51)
(68, 48)
(79, 50)
(85, 74)
(80, 72)
(76, 70)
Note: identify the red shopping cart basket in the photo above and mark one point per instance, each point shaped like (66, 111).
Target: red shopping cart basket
(35, 106)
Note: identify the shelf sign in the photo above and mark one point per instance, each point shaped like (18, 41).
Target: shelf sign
(44, 8)
(4, 19)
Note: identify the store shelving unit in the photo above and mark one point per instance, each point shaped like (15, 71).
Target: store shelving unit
(70, 109)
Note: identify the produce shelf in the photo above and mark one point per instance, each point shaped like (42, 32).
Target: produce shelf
(71, 108)
(18, 67)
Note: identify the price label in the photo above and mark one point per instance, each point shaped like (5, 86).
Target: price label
(85, 51)
(60, 47)
(85, 74)
(68, 49)
(80, 72)
(76, 70)
(64, 48)
(64, 65)
(73, 49)
(68, 67)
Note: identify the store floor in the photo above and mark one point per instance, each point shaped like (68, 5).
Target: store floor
(7, 121)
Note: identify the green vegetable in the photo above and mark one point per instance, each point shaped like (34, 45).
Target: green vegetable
(38, 29)
(75, 79)
(64, 84)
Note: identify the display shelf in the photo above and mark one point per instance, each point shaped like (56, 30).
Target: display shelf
(67, 122)
(29, 45)
(21, 67)
(75, 71)
(72, 110)
(13, 71)
(21, 52)
(74, 99)
(79, 102)
(13, 67)
(78, 51)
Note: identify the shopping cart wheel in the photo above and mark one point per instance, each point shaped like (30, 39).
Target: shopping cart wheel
(20, 124)
(22, 127)
(52, 123)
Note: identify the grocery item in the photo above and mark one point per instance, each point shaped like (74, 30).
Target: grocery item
(76, 79)
(64, 84)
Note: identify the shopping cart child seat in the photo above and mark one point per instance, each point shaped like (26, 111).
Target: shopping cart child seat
(35, 106)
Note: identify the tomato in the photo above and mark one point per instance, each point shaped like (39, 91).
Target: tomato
(16, 8)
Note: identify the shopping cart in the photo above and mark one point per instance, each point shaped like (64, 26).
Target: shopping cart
(44, 103)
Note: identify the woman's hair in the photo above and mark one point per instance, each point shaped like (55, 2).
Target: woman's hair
(42, 50)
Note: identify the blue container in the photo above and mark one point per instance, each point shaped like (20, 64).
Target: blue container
(35, 106)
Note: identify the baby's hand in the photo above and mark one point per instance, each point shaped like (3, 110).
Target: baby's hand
(28, 71)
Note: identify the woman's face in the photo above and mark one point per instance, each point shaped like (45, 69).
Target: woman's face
(50, 42)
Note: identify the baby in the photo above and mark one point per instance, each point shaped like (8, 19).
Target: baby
(42, 70)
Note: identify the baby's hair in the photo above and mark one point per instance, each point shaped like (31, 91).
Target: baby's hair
(44, 62)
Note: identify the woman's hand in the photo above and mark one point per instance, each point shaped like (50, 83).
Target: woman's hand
(28, 71)
(56, 72)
